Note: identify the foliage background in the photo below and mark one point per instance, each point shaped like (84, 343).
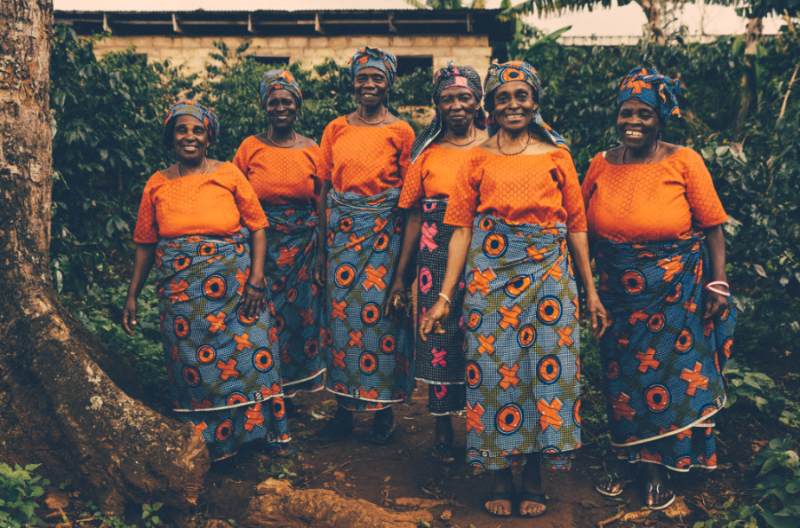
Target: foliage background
(107, 117)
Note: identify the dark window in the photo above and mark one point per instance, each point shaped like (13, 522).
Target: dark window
(138, 58)
(271, 60)
(410, 64)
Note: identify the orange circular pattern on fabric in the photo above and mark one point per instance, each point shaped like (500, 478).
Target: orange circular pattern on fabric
(291, 294)
(526, 336)
(387, 344)
(340, 388)
(206, 354)
(345, 224)
(345, 275)
(632, 282)
(612, 370)
(262, 359)
(549, 369)
(181, 326)
(246, 321)
(656, 322)
(278, 408)
(331, 237)
(181, 262)
(279, 323)
(214, 287)
(311, 348)
(224, 430)
(370, 314)
(382, 242)
(474, 374)
(509, 418)
(486, 224)
(684, 341)
(674, 294)
(657, 398)
(192, 376)
(726, 347)
(683, 462)
(517, 285)
(475, 319)
(279, 285)
(549, 311)
(368, 363)
(495, 245)
(236, 397)
(576, 411)
(207, 249)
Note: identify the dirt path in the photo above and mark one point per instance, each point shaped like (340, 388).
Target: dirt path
(403, 470)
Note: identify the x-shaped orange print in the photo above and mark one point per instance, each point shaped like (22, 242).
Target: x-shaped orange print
(242, 276)
(549, 413)
(474, 418)
(338, 358)
(555, 270)
(537, 255)
(355, 339)
(402, 364)
(622, 342)
(254, 417)
(302, 274)
(510, 316)
(205, 404)
(564, 338)
(273, 335)
(509, 376)
(267, 392)
(287, 256)
(355, 242)
(671, 266)
(380, 223)
(243, 342)
(372, 394)
(694, 379)
(638, 315)
(481, 280)
(217, 322)
(577, 304)
(338, 309)
(228, 369)
(487, 344)
(308, 316)
(620, 407)
(683, 434)
(646, 360)
(374, 278)
(179, 291)
(174, 350)
(690, 305)
(199, 428)
(286, 358)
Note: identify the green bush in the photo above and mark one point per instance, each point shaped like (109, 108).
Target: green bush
(18, 489)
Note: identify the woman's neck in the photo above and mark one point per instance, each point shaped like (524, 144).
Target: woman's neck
(460, 134)
(282, 134)
(371, 113)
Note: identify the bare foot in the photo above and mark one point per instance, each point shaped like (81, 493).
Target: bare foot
(613, 483)
(657, 494)
(499, 503)
(533, 499)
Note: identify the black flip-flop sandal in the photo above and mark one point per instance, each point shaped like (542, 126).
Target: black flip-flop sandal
(649, 488)
(609, 478)
(444, 454)
(538, 498)
(500, 495)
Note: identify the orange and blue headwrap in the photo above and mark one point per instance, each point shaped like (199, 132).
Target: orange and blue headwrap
(278, 80)
(368, 57)
(520, 71)
(199, 112)
(464, 76)
(653, 89)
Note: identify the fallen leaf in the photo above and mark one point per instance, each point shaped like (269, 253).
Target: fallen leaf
(588, 505)
(446, 515)
(338, 475)
(422, 503)
(56, 500)
(636, 516)
(387, 479)
(677, 509)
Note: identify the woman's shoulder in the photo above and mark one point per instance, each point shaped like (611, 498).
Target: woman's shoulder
(336, 125)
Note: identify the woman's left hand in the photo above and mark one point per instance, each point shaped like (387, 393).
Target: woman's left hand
(396, 301)
(254, 301)
(715, 305)
(598, 315)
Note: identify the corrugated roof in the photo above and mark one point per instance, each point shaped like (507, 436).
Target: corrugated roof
(240, 5)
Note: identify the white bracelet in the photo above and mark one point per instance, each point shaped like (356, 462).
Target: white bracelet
(446, 298)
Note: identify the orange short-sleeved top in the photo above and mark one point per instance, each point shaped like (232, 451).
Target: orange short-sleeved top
(365, 160)
(650, 203)
(432, 175)
(279, 176)
(540, 189)
(201, 204)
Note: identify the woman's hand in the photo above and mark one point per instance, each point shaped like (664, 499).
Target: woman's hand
(432, 320)
(129, 315)
(715, 304)
(598, 315)
(396, 301)
(253, 300)
(320, 270)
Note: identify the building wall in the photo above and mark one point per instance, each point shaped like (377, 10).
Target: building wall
(193, 52)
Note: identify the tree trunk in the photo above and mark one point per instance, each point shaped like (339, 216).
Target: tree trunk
(654, 23)
(58, 403)
(755, 27)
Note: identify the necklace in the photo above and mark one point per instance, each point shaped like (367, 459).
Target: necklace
(269, 135)
(513, 153)
(470, 142)
(203, 171)
(625, 150)
(385, 113)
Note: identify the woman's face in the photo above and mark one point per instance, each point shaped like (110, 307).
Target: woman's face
(190, 140)
(371, 87)
(637, 124)
(458, 106)
(514, 106)
(281, 109)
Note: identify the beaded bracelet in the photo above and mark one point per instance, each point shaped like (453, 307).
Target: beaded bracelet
(256, 288)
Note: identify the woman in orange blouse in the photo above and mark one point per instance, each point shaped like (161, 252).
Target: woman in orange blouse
(282, 166)
(365, 156)
(519, 221)
(223, 378)
(656, 219)
(437, 154)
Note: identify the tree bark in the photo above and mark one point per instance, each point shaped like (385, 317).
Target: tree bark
(58, 403)
(654, 24)
(755, 27)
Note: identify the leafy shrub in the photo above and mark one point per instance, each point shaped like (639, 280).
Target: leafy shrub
(780, 478)
(18, 489)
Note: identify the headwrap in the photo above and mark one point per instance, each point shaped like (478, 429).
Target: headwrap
(446, 78)
(198, 111)
(520, 71)
(278, 80)
(653, 89)
(368, 57)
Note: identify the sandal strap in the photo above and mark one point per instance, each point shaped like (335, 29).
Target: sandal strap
(538, 498)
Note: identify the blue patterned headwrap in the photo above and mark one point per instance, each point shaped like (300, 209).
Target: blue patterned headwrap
(278, 80)
(368, 57)
(198, 111)
(445, 78)
(520, 71)
(653, 89)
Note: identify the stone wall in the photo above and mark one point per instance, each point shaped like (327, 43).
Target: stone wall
(193, 52)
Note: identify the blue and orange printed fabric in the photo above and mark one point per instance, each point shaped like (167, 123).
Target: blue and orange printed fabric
(370, 356)
(661, 362)
(224, 378)
(523, 367)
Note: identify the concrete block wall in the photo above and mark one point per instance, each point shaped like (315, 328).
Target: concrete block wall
(193, 52)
